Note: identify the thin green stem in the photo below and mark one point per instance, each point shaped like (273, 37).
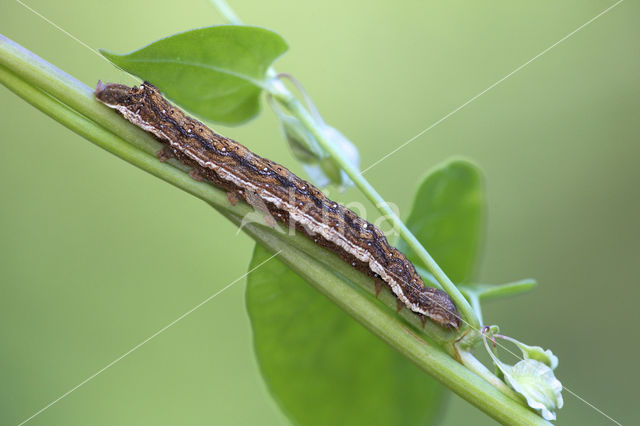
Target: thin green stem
(472, 363)
(295, 108)
(226, 11)
(475, 303)
(486, 291)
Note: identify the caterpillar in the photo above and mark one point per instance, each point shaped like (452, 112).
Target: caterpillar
(287, 198)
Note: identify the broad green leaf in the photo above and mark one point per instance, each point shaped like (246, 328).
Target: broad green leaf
(215, 72)
(447, 217)
(324, 368)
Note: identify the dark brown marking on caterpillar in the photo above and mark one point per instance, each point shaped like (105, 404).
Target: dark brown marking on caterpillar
(245, 175)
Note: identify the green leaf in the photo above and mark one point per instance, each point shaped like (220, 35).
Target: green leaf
(494, 291)
(321, 366)
(447, 217)
(215, 72)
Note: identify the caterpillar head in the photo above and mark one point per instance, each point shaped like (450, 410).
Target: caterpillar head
(440, 308)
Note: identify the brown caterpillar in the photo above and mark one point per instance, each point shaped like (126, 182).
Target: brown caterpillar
(247, 176)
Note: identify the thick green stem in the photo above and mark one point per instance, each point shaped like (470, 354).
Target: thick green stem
(86, 118)
(71, 92)
(389, 328)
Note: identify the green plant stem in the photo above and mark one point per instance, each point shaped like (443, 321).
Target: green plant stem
(475, 303)
(135, 149)
(297, 109)
(477, 367)
(226, 11)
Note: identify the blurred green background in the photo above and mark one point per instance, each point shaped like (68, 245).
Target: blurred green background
(96, 255)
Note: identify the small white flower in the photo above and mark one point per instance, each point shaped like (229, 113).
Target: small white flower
(532, 377)
(536, 382)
